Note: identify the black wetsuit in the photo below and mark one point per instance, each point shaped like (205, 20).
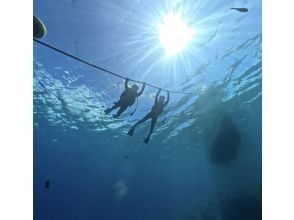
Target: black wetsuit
(156, 110)
(127, 98)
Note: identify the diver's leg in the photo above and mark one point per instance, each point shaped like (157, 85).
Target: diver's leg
(121, 110)
(131, 131)
(146, 117)
(153, 121)
(115, 106)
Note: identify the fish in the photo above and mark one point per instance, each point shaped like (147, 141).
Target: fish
(47, 184)
(241, 9)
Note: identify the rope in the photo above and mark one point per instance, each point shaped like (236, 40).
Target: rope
(102, 69)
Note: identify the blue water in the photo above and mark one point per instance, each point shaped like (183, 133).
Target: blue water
(96, 170)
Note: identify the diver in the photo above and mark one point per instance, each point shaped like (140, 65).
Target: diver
(127, 98)
(156, 110)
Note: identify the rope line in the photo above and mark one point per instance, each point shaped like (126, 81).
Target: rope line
(102, 69)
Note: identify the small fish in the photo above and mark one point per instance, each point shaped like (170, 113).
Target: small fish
(47, 184)
(241, 9)
(126, 157)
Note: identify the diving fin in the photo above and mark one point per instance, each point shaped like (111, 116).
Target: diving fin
(131, 131)
(146, 141)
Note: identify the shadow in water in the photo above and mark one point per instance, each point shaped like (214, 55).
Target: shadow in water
(227, 142)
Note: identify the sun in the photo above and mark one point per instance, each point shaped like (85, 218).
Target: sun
(174, 34)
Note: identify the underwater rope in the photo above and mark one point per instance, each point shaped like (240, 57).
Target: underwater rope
(100, 68)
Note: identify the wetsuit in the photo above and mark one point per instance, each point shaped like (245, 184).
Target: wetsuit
(127, 98)
(156, 110)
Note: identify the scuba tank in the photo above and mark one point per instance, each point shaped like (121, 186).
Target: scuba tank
(135, 107)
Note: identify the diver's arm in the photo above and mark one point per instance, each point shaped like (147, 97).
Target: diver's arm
(142, 90)
(157, 94)
(126, 83)
(167, 99)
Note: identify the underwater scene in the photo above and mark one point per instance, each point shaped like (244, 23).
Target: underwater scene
(186, 145)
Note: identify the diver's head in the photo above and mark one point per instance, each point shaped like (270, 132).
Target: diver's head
(161, 98)
(135, 87)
